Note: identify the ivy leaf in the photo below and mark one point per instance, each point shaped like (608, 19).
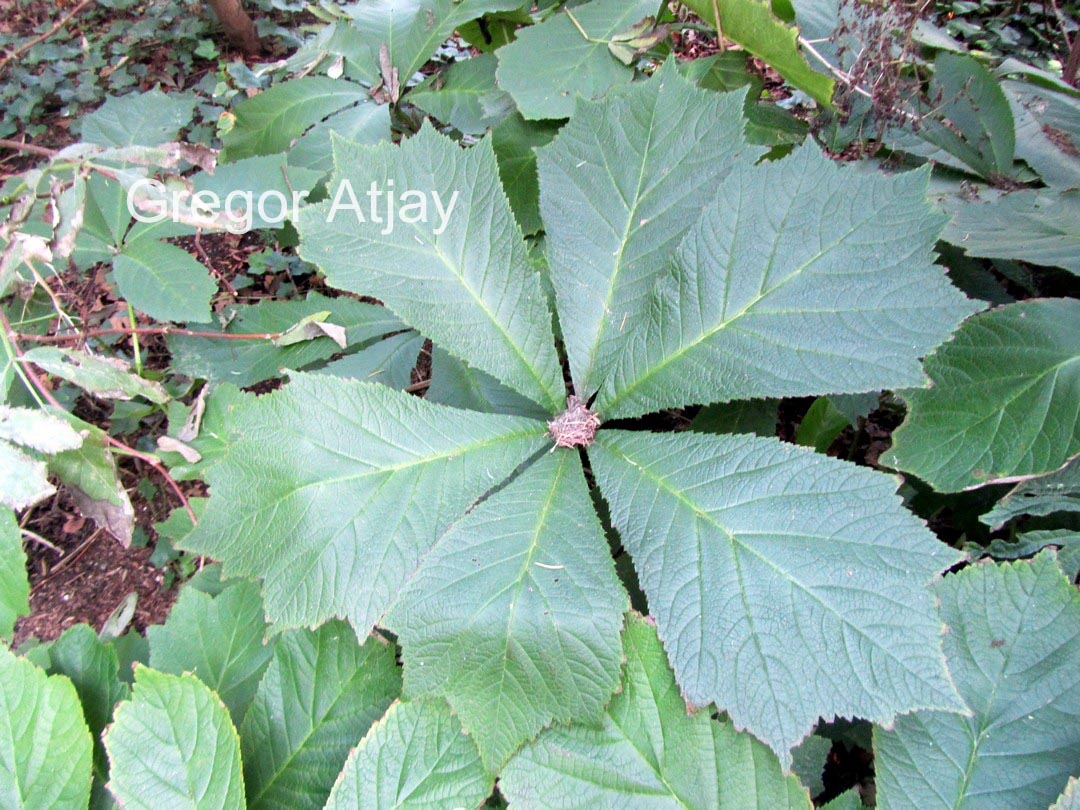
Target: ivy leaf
(45, 747)
(622, 183)
(648, 752)
(1013, 648)
(416, 758)
(769, 567)
(14, 586)
(321, 692)
(515, 614)
(218, 639)
(492, 310)
(551, 63)
(1002, 405)
(333, 489)
(758, 301)
(172, 745)
(752, 24)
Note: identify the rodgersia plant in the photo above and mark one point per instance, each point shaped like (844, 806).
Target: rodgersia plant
(680, 269)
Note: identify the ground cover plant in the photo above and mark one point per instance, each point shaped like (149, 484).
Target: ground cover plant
(529, 408)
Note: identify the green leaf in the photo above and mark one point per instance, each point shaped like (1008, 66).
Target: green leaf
(979, 129)
(205, 427)
(1031, 543)
(220, 640)
(1070, 797)
(752, 24)
(415, 758)
(94, 668)
(768, 567)
(1039, 227)
(333, 489)
(757, 416)
(821, 425)
(14, 586)
(246, 362)
(648, 752)
(848, 800)
(758, 301)
(1013, 648)
(1047, 132)
(272, 121)
(145, 119)
(22, 478)
(44, 744)
(90, 475)
(454, 383)
(390, 362)
(321, 693)
(164, 281)
(462, 278)
(550, 64)
(105, 377)
(1057, 492)
(514, 142)
(525, 587)
(172, 745)
(1003, 401)
(808, 762)
(465, 96)
(622, 183)
(412, 31)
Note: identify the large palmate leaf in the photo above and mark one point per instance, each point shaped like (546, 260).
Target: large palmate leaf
(619, 187)
(648, 752)
(754, 26)
(44, 743)
(1013, 648)
(459, 272)
(412, 30)
(778, 579)
(333, 489)
(172, 745)
(758, 300)
(1005, 401)
(319, 697)
(415, 758)
(548, 65)
(515, 614)
(220, 639)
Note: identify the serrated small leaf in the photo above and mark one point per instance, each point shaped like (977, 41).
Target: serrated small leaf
(45, 750)
(320, 694)
(758, 302)
(415, 758)
(567, 55)
(105, 377)
(478, 297)
(648, 752)
(333, 489)
(220, 640)
(172, 745)
(143, 119)
(164, 281)
(1013, 648)
(622, 183)
(37, 429)
(1003, 401)
(14, 585)
(514, 616)
(769, 567)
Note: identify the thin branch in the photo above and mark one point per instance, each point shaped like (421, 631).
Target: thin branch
(210, 264)
(63, 21)
(145, 330)
(29, 148)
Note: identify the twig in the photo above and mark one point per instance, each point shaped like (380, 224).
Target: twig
(145, 330)
(210, 264)
(78, 552)
(37, 538)
(29, 148)
(15, 54)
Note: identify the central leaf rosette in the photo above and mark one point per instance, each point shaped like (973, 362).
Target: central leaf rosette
(784, 585)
